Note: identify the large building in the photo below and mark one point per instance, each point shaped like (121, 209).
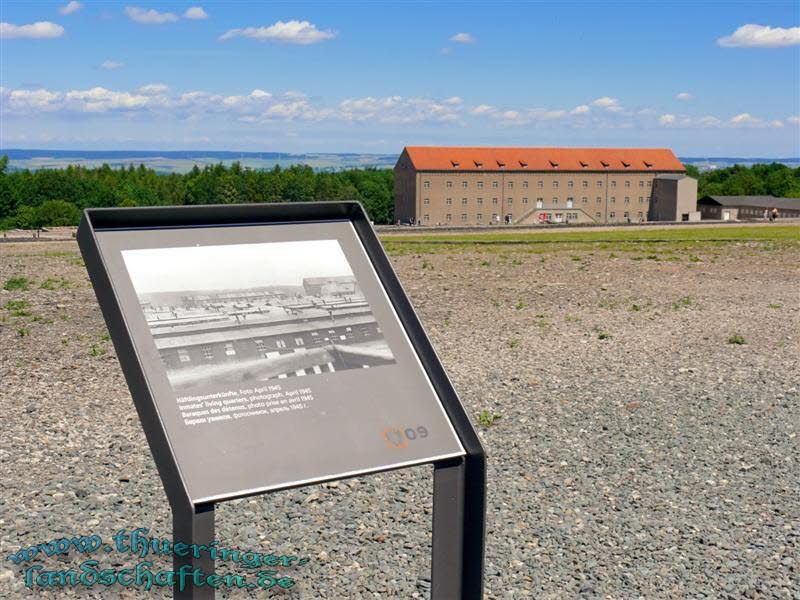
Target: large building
(437, 185)
(744, 208)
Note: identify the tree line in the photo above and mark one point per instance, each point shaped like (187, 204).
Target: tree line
(772, 179)
(53, 197)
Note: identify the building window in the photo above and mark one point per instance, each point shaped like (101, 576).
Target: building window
(449, 201)
(627, 199)
(479, 201)
(260, 345)
(509, 184)
(570, 183)
(641, 183)
(426, 201)
(599, 183)
(480, 185)
(509, 200)
(207, 352)
(183, 355)
(298, 341)
(599, 200)
(613, 199)
(463, 217)
(525, 184)
(229, 351)
(539, 203)
(640, 214)
(585, 183)
(625, 214)
(540, 184)
(649, 183)
(448, 217)
(555, 183)
(613, 183)
(426, 184)
(611, 215)
(463, 202)
(281, 343)
(641, 199)
(464, 184)
(479, 217)
(495, 184)
(524, 200)
(494, 216)
(569, 202)
(597, 214)
(509, 217)
(494, 200)
(584, 200)
(555, 200)
(427, 218)
(449, 184)
(627, 183)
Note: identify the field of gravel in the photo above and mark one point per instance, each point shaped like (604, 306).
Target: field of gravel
(639, 405)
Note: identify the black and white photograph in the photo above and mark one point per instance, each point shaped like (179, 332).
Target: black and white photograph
(247, 313)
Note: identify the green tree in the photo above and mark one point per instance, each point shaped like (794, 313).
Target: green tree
(57, 213)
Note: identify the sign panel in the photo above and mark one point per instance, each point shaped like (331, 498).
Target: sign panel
(273, 355)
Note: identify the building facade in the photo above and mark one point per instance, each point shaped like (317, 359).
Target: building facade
(484, 186)
(674, 198)
(746, 208)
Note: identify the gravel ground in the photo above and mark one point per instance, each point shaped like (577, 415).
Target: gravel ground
(637, 452)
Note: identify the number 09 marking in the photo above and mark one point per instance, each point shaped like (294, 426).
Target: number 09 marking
(399, 438)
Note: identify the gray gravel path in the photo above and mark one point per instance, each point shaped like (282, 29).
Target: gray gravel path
(637, 454)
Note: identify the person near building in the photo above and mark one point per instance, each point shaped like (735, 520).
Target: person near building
(774, 214)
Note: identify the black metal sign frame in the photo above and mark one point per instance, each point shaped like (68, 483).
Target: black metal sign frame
(459, 486)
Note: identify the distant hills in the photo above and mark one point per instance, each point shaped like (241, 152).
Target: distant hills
(182, 161)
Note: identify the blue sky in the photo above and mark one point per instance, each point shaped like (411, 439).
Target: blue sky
(705, 78)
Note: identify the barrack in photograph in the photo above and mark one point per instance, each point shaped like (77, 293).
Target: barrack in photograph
(244, 313)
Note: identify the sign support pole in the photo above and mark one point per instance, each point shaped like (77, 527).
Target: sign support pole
(192, 525)
(458, 529)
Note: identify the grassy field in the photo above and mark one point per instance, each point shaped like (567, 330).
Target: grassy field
(627, 239)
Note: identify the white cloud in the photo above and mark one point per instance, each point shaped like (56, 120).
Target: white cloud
(482, 109)
(153, 89)
(709, 121)
(684, 96)
(761, 36)
(40, 29)
(290, 32)
(100, 99)
(608, 103)
(463, 38)
(742, 118)
(71, 7)
(397, 110)
(255, 97)
(149, 17)
(195, 13)
(260, 107)
(666, 119)
(446, 51)
(39, 100)
(110, 65)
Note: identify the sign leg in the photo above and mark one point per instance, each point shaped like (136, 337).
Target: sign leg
(459, 507)
(192, 525)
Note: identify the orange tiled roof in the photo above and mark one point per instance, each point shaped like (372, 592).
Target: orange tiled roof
(444, 158)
